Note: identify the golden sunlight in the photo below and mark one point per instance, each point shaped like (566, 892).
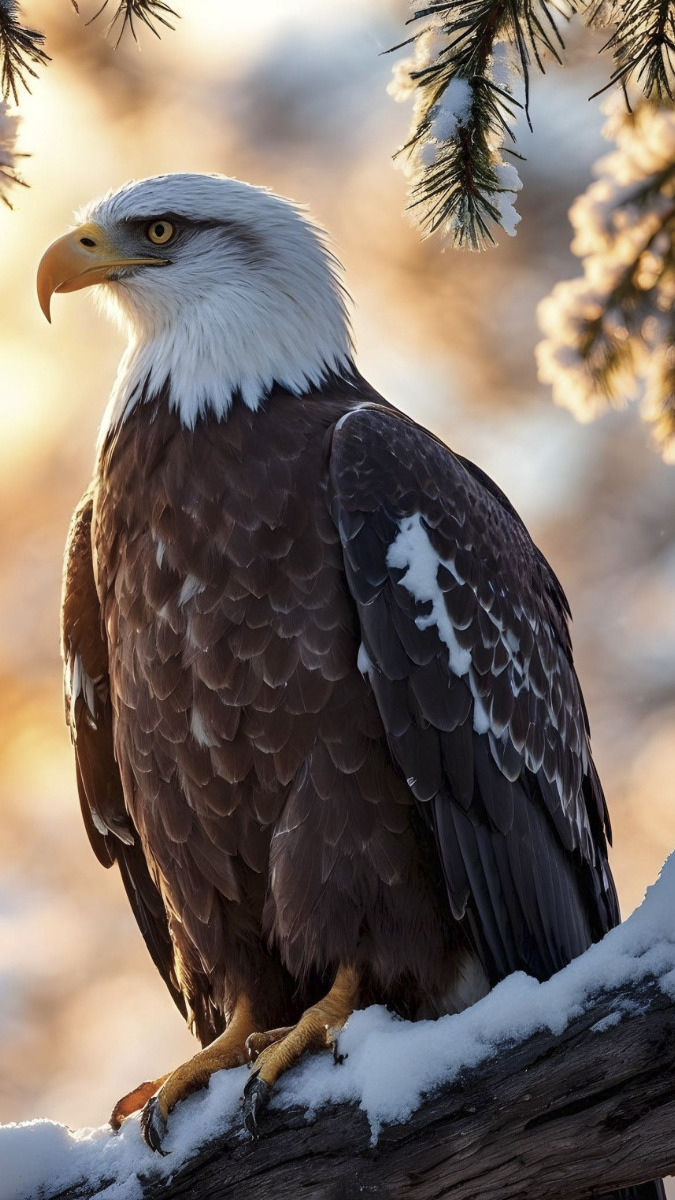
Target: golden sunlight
(291, 94)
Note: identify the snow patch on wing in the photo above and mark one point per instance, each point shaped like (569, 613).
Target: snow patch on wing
(363, 661)
(190, 588)
(350, 412)
(412, 552)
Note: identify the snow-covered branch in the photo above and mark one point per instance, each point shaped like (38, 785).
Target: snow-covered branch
(470, 71)
(462, 75)
(609, 335)
(9, 175)
(489, 1101)
(643, 43)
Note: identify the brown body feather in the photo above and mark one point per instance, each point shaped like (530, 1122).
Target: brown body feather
(254, 763)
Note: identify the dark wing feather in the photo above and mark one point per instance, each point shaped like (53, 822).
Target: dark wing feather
(89, 717)
(467, 650)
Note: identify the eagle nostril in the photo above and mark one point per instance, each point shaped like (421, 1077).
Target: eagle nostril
(86, 241)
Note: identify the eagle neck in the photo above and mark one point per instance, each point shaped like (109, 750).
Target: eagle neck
(152, 424)
(200, 370)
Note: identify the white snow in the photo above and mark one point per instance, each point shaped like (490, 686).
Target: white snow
(9, 128)
(452, 109)
(510, 181)
(363, 660)
(413, 552)
(198, 728)
(612, 231)
(390, 1065)
(501, 66)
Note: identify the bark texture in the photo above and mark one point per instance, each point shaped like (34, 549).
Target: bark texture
(569, 1116)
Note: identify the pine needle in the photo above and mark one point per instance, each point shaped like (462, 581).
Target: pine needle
(643, 45)
(20, 51)
(151, 13)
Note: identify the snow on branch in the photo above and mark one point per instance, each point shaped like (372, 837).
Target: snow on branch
(462, 74)
(643, 43)
(610, 334)
(497, 1094)
(9, 175)
(472, 60)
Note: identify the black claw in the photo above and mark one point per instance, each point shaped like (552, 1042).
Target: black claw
(153, 1126)
(338, 1058)
(255, 1100)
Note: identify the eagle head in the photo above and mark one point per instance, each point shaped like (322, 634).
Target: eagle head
(224, 290)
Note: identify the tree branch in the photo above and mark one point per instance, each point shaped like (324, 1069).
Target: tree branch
(570, 1116)
(612, 329)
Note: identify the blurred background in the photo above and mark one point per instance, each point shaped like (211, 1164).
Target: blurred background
(290, 94)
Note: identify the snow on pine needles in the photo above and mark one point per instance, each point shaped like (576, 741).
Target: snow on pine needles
(9, 126)
(609, 335)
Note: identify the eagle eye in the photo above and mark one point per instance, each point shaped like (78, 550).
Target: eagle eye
(160, 232)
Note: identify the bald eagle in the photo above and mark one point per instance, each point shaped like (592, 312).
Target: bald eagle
(318, 678)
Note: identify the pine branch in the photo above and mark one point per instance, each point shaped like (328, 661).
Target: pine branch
(9, 175)
(631, 297)
(460, 182)
(20, 51)
(643, 45)
(610, 333)
(460, 188)
(659, 401)
(472, 28)
(150, 12)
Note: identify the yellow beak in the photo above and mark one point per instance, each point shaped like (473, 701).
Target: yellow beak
(80, 258)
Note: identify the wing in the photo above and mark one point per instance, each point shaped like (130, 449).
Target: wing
(89, 717)
(466, 646)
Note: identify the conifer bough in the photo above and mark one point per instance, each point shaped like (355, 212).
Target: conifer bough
(460, 182)
(22, 53)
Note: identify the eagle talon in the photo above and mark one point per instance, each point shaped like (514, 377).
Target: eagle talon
(154, 1126)
(338, 1058)
(255, 1100)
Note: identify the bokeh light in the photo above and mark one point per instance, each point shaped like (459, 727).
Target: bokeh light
(293, 95)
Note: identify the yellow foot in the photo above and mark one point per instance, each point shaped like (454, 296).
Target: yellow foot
(278, 1050)
(229, 1050)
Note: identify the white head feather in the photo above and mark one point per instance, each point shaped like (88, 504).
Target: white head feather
(252, 297)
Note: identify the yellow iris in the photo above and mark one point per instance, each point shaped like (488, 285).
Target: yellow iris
(160, 232)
